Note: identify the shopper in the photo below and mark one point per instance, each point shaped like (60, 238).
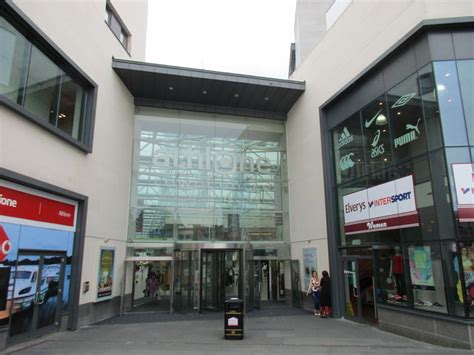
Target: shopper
(313, 287)
(152, 287)
(325, 298)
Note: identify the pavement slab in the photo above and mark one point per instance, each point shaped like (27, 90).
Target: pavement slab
(287, 331)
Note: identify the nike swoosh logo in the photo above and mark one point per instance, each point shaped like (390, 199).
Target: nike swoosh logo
(369, 123)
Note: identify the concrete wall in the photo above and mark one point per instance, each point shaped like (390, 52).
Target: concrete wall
(79, 29)
(364, 31)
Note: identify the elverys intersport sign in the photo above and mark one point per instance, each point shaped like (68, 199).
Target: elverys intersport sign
(387, 206)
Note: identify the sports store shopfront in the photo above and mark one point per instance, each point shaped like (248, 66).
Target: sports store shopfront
(399, 159)
(209, 192)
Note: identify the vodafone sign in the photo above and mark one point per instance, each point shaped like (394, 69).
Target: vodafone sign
(5, 244)
(18, 205)
(387, 206)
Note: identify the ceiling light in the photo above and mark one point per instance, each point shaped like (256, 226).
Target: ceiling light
(380, 103)
(266, 99)
(171, 88)
(204, 92)
(381, 120)
(441, 87)
(236, 95)
(447, 74)
(399, 113)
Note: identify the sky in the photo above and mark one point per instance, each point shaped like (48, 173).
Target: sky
(239, 36)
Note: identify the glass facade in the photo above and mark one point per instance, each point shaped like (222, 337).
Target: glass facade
(30, 79)
(423, 128)
(204, 177)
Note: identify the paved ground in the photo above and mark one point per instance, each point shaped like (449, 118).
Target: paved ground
(274, 330)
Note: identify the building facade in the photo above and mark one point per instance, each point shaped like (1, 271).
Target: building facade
(396, 152)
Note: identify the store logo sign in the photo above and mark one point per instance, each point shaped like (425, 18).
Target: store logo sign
(5, 244)
(8, 202)
(403, 100)
(410, 136)
(346, 162)
(465, 190)
(377, 149)
(345, 138)
(220, 161)
(369, 122)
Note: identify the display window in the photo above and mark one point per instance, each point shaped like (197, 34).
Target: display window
(36, 245)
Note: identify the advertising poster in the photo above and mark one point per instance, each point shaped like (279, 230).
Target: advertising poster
(310, 264)
(106, 274)
(386, 206)
(421, 267)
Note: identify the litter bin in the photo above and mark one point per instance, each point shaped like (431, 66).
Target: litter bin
(234, 319)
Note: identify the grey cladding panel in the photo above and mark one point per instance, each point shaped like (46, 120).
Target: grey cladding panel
(464, 44)
(422, 51)
(371, 88)
(343, 108)
(399, 67)
(441, 45)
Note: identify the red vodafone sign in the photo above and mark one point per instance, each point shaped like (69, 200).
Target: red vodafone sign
(26, 206)
(5, 245)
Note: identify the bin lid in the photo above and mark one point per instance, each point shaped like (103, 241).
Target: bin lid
(234, 300)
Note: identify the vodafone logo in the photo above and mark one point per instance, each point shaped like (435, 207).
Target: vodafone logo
(5, 244)
(8, 202)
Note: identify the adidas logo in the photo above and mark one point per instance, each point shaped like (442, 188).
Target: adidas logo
(344, 138)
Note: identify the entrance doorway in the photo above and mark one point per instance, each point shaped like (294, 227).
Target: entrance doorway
(269, 280)
(152, 287)
(221, 277)
(38, 294)
(359, 290)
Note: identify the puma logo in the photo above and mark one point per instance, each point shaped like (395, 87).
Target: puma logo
(410, 126)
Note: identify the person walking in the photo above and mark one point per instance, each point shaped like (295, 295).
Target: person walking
(314, 288)
(325, 298)
(152, 287)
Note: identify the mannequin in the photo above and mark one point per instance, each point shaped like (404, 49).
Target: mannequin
(396, 271)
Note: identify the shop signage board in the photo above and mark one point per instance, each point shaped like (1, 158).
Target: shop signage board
(464, 183)
(18, 206)
(106, 274)
(387, 206)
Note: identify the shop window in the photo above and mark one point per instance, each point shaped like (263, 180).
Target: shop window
(375, 128)
(391, 275)
(450, 103)
(431, 113)
(427, 284)
(406, 119)
(466, 81)
(349, 150)
(41, 89)
(464, 261)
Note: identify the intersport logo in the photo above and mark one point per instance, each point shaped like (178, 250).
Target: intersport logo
(390, 199)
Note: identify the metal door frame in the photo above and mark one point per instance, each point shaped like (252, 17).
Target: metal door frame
(356, 259)
(34, 331)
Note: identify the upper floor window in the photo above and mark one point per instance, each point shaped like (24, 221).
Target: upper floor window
(41, 85)
(117, 26)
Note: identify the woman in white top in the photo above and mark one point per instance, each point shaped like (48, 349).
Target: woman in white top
(313, 287)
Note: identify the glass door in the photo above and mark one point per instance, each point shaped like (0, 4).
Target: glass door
(37, 294)
(185, 283)
(359, 291)
(295, 283)
(221, 277)
(257, 282)
(351, 289)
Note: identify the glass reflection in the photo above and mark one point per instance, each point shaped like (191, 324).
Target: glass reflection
(204, 178)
